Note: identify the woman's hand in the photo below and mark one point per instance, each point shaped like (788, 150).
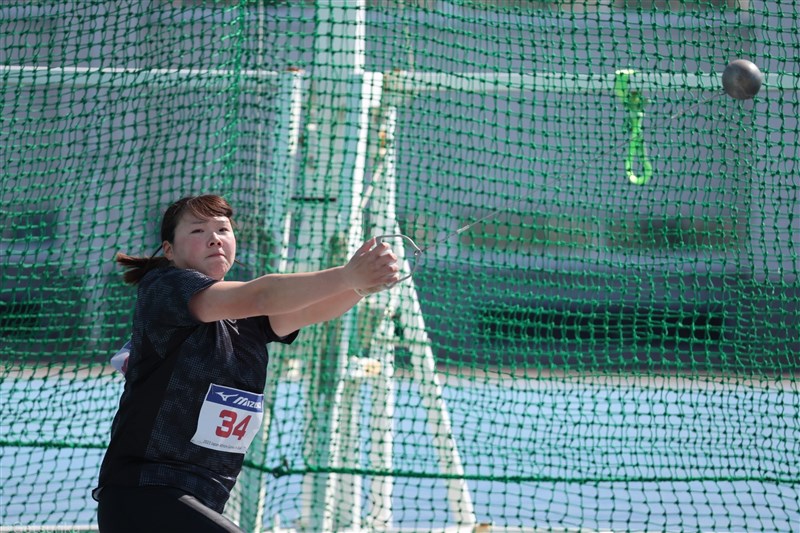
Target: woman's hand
(372, 268)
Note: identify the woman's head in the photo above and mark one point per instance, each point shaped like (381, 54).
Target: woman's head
(204, 206)
(197, 233)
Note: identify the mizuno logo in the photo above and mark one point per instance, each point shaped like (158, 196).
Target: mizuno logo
(236, 398)
(225, 396)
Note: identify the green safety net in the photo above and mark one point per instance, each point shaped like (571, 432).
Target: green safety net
(601, 331)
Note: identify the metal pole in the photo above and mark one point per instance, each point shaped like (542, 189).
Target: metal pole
(275, 185)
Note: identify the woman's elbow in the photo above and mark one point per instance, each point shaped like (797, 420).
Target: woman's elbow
(286, 323)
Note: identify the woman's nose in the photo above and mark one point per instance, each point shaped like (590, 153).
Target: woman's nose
(214, 240)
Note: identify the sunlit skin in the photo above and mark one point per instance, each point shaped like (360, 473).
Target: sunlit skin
(205, 245)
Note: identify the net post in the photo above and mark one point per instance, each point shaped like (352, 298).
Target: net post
(377, 326)
(249, 494)
(409, 311)
(381, 425)
(328, 212)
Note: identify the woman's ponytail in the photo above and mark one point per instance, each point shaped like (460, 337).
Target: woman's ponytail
(137, 267)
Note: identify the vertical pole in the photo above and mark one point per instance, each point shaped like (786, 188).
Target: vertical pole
(275, 183)
(422, 358)
(342, 493)
(380, 309)
(329, 225)
(382, 426)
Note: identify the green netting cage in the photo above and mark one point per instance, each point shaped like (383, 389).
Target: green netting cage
(601, 332)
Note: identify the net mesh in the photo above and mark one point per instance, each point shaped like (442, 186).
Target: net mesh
(614, 348)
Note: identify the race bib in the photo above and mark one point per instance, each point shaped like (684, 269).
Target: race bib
(229, 419)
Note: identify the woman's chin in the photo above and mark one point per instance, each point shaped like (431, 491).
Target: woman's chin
(217, 271)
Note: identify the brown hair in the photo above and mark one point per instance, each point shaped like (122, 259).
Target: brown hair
(204, 206)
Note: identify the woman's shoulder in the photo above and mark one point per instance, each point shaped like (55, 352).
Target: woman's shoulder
(164, 294)
(170, 273)
(171, 279)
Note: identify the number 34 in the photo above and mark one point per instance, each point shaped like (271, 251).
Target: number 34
(229, 426)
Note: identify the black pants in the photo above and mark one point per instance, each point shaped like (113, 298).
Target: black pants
(157, 509)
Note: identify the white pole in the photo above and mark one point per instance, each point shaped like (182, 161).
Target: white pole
(330, 217)
(379, 310)
(382, 427)
(422, 359)
(342, 504)
(250, 489)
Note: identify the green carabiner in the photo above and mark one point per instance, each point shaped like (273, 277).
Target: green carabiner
(633, 102)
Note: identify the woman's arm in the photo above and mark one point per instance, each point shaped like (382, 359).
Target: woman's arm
(278, 294)
(322, 311)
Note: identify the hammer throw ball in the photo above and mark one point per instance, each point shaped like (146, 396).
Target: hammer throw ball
(741, 79)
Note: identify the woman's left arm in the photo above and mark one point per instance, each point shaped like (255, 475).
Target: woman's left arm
(322, 311)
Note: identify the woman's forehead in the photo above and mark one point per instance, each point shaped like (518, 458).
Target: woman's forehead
(191, 218)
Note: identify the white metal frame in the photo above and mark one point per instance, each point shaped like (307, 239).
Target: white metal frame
(342, 100)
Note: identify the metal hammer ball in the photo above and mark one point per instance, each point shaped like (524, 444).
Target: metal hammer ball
(741, 79)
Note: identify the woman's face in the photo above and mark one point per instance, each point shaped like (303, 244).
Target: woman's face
(207, 245)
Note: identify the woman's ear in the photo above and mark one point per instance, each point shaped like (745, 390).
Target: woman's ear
(167, 247)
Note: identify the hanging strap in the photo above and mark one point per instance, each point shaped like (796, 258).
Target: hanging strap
(633, 102)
